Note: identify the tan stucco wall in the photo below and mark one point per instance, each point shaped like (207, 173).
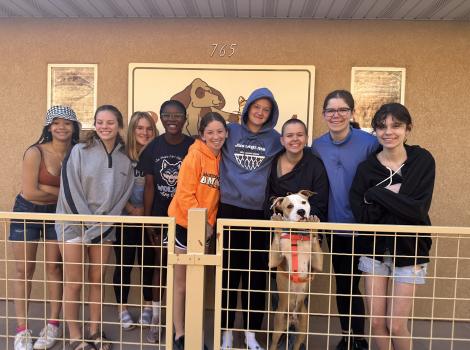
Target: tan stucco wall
(435, 55)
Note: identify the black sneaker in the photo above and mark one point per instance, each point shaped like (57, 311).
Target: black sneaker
(354, 344)
(344, 343)
(360, 344)
(178, 344)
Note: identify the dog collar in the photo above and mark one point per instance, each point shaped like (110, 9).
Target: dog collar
(294, 238)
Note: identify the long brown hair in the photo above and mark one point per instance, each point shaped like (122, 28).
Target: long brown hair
(91, 136)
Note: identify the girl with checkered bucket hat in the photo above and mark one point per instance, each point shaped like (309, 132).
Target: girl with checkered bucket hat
(40, 182)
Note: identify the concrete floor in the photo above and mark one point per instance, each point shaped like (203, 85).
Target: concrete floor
(319, 338)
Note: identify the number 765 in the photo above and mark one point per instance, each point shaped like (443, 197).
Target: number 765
(223, 50)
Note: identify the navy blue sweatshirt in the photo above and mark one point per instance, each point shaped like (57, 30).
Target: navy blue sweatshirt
(247, 157)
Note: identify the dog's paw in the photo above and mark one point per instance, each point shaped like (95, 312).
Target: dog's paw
(277, 217)
(313, 218)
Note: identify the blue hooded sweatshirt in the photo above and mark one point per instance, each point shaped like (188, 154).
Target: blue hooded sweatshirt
(246, 158)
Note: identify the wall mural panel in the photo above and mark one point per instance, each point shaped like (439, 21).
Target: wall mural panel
(74, 85)
(222, 89)
(374, 86)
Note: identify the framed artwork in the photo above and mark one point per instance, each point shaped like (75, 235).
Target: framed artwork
(374, 86)
(74, 85)
(221, 88)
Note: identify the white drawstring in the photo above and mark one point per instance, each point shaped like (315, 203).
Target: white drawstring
(390, 178)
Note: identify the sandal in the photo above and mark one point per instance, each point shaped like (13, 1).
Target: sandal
(100, 341)
(80, 345)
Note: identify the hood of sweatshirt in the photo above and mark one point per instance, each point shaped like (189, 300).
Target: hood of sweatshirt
(256, 95)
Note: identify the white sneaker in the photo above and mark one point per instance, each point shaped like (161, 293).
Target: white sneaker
(146, 316)
(23, 340)
(127, 323)
(47, 337)
(227, 340)
(251, 341)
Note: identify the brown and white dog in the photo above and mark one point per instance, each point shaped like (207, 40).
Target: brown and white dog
(295, 254)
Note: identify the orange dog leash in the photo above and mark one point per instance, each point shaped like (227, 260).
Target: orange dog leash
(294, 238)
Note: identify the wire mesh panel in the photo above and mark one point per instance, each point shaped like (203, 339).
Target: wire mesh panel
(289, 286)
(111, 289)
(386, 286)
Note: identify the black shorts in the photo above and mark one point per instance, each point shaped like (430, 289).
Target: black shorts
(181, 237)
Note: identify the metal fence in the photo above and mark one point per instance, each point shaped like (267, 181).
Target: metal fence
(293, 303)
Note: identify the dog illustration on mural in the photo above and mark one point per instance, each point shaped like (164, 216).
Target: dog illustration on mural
(296, 254)
(199, 99)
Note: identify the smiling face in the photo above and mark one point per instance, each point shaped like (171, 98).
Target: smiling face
(173, 120)
(107, 127)
(61, 129)
(391, 133)
(258, 113)
(214, 136)
(337, 115)
(294, 138)
(143, 132)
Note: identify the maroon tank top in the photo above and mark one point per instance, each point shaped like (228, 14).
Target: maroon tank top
(45, 177)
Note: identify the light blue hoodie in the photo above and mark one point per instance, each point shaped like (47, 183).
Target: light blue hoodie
(246, 158)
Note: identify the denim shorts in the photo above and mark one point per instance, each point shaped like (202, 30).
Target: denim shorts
(413, 274)
(33, 228)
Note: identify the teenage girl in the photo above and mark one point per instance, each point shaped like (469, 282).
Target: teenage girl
(40, 188)
(341, 149)
(97, 178)
(133, 241)
(244, 170)
(393, 186)
(198, 187)
(296, 168)
(160, 162)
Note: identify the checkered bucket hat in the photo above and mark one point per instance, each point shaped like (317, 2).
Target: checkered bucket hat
(63, 112)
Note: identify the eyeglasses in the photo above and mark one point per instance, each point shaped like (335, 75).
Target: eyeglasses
(173, 116)
(342, 112)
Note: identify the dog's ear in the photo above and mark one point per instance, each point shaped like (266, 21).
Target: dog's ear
(221, 97)
(276, 204)
(306, 193)
(183, 96)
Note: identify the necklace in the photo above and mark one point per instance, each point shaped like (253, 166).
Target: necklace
(58, 154)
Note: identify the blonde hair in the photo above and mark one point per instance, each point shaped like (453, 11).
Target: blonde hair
(131, 144)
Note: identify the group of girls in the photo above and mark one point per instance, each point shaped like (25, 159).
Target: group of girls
(103, 175)
(375, 180)
(357, 177)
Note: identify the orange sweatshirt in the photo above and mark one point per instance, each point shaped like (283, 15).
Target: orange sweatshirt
(198, 184)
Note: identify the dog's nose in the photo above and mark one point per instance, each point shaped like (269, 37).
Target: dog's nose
(301, 212)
